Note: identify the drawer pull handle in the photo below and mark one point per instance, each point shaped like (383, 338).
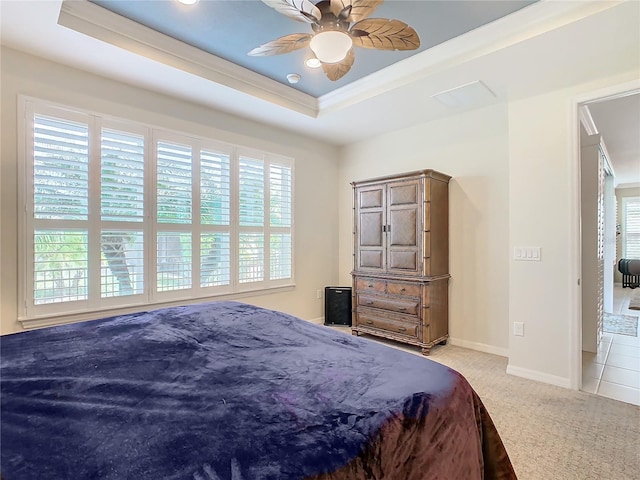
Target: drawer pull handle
(370, 302)
(403, 309)
(402, 329)
(370, 285)
(370, 322)
(402, 290)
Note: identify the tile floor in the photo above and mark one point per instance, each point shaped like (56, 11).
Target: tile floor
(614, 371)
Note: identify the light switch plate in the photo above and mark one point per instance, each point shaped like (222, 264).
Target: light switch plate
(527, 254)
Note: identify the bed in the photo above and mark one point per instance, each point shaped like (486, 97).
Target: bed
(226, 390)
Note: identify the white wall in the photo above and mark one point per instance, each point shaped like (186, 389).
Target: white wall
(544, 212)
(515, 183)
(473, 149)
(315, 169)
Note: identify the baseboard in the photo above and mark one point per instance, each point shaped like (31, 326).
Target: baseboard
(480, 347)
(539, 376)
(317, 321)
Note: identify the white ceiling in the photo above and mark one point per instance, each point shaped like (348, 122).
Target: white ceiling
(545, 46)
(618, 121)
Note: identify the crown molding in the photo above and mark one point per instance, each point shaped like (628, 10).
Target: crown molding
(97, 22)
(587, 120)
(531, 21)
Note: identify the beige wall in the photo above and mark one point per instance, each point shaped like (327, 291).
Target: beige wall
(473, 149)
(544, 212)
(515, 183)
(315, 170)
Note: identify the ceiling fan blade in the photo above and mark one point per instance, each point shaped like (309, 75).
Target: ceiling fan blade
(384, 34)
(285, 44)
(336, 71)
(300, 10)
(360, 9)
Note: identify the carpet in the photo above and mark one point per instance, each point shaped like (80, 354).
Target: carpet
(634, 303)
(550, 432)
(621, 324)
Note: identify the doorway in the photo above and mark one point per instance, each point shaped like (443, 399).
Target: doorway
(610, 361)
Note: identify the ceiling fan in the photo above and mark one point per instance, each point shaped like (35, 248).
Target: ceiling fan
(337, 26)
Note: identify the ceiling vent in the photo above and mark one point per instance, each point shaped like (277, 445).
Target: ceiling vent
(472, 94)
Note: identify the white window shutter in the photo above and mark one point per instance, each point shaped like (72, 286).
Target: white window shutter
(122, 176)
(120, 220)
(174, 174)
(60, 169)
(632, 228)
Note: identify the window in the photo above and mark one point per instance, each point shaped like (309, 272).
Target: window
(120, 214)
(631, 227)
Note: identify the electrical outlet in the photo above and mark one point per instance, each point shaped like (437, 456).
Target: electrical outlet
(518, 329)
(319, 294)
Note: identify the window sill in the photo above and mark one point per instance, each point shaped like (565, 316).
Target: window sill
(61, 319)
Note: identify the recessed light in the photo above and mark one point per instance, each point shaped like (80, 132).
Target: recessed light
(188, 2)
(312, 62)
(293, 78)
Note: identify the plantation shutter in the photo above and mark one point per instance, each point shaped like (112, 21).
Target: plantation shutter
(121, 200)
(280, 251)
(174, 206)
(251, 246)
(215, 217)
(122, 176)
(61, 169)
(632, 228)
(60, 210)
(174, 183)
(117, 214)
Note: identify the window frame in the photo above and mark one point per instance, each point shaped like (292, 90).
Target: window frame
(624, 226)
(29, 107)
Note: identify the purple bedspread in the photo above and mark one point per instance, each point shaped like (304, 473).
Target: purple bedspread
(225, 390)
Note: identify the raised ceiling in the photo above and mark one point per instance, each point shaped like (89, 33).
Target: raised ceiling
(230, 29)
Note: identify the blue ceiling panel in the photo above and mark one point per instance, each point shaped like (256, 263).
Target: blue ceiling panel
(230, 29)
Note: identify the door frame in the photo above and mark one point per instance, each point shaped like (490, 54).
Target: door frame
(575, 240)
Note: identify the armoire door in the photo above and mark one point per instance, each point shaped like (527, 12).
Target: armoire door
(370, 238)
(404, 227)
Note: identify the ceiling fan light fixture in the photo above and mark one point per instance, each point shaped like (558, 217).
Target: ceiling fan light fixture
(331, 46)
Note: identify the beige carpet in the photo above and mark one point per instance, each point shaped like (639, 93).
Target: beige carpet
(634, 303)
(551, 433)
(620, 324)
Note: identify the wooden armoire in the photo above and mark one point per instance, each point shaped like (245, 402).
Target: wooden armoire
(401, 258)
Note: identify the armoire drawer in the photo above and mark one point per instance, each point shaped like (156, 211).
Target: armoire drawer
(403, 288)
(371, 285)
(408, 329)
(406, 306)
(374, 285)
